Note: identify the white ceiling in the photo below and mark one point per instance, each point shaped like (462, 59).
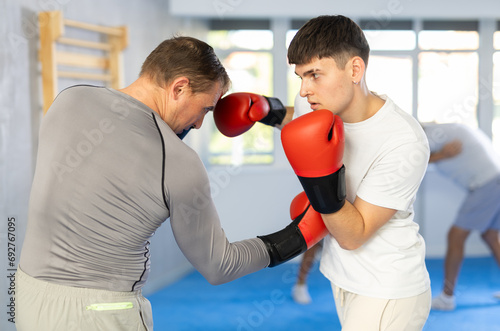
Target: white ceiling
(376, 9)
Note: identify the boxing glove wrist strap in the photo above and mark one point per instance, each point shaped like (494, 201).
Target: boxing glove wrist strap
(276, 113)
(284, 244)
(326, 194)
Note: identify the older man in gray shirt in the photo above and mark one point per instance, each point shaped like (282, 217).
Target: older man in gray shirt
(110, 170)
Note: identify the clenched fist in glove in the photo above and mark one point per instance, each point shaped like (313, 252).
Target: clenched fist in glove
(305, 231)
(236, 113)
(314, 146)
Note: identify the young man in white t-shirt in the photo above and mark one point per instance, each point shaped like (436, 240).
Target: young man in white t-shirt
(374, 255)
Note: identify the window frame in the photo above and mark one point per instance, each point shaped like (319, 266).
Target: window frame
(485, 27)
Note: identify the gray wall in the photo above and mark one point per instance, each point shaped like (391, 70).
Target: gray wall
(15, 151)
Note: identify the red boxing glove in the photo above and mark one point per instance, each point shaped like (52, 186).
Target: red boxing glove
(314, 146)
(305, 231)
(311, 224)
(236, 113)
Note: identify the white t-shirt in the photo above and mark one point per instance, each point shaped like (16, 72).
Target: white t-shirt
(476, 164)
(385, 158)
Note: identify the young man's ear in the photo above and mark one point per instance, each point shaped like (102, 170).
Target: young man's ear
(179, 86)
(358, 68)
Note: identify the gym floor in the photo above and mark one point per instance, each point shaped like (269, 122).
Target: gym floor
(262, 301)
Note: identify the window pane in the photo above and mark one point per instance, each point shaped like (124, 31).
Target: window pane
(289, 36)
(451, 40)
(392, 75)
(256, 146)
(448, 87)
(496, 40)
(293, 84)
(496, 101)
(390, 40)
(293, 81)
(241, 39)
(249, 72)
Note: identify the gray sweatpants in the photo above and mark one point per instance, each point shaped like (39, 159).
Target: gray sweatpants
(44, 306)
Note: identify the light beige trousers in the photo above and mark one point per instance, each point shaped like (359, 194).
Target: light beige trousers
(357, 312)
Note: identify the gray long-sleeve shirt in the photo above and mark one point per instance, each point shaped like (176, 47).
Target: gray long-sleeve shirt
(109, 172)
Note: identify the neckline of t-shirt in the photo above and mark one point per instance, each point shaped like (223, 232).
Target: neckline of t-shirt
(378, 116)
(131, 99)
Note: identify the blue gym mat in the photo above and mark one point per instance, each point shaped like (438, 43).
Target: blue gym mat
(262, 301)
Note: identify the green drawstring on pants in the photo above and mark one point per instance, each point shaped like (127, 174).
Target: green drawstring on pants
(110, 306)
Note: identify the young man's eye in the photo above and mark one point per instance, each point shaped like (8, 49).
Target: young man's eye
(313, 76)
